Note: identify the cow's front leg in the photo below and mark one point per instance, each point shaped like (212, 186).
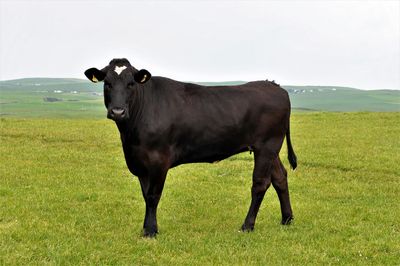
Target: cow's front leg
(152, 186)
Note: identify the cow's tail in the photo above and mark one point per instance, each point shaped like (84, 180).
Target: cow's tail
(291, 155)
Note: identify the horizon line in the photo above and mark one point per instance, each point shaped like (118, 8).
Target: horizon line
(223, 81)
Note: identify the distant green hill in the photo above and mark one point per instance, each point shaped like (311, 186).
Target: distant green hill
(51, 97)
(63, 97)
(343, 99)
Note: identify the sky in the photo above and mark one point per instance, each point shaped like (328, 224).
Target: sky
(338, 43)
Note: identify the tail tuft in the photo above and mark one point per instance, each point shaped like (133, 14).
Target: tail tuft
(291, 155)
(292, 160)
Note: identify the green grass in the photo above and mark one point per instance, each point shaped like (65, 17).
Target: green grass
(66, 197)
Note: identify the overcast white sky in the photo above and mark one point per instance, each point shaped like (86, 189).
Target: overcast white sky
(345, 43)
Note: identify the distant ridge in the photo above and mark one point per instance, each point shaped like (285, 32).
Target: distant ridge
(31, 81)
(43, 80)
(29, 97)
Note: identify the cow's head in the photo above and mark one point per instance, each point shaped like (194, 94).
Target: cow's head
(120, 82)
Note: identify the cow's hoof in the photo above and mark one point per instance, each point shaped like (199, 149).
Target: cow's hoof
(247, 228)
(287, 220)
(150, 233)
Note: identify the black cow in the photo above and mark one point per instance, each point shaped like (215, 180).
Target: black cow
(164, 123)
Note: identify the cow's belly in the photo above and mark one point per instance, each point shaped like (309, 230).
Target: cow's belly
(209, 151)
(209, 156)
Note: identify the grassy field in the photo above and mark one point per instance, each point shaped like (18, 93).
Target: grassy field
(66, 197)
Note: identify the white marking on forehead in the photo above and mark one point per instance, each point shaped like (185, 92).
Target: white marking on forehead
(118, 69)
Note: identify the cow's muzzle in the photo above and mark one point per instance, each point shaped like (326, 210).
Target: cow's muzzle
(117, 114)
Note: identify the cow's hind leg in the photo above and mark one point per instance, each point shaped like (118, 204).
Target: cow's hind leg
(279, 182)
(263, 164)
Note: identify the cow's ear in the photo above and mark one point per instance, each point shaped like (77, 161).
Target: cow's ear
(142, 76)
(95, 75)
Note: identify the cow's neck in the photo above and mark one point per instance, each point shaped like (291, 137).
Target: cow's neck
(136, 104)
(129, 134)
